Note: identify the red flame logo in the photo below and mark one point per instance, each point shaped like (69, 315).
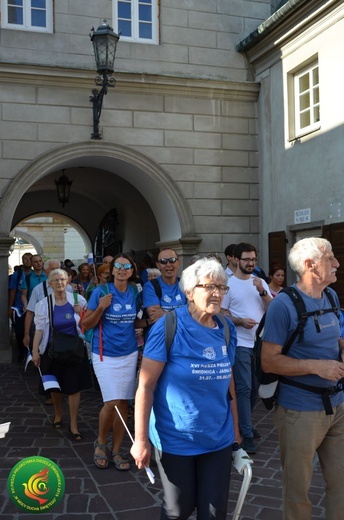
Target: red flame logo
(37, 486)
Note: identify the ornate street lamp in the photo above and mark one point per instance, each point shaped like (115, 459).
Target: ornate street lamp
(104, 45)
(63, 185)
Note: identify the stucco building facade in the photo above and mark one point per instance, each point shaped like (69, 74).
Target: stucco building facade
(295, 57)
(178, 158)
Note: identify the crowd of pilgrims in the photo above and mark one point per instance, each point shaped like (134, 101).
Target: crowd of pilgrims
(118, 309)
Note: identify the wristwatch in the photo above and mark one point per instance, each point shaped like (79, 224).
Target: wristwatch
(263, 293)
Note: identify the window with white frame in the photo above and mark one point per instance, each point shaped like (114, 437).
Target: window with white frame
(27, 15)
(136, 20)
(307, 99)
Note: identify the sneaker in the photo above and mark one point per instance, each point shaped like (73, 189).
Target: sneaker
(248, 445)
(256, 434)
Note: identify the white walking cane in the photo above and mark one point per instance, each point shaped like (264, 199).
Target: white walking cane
(149, 472)
(242, 463)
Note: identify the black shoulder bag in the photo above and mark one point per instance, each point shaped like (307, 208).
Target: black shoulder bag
(64, 348)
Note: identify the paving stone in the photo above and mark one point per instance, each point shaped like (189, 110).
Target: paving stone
(94, 494)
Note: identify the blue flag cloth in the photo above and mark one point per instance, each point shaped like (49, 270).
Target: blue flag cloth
(50, 382)
(28, 359)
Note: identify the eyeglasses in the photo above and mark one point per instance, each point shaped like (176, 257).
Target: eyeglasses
(119, 266)
(211, 287)
(165, 261)
(247, 260)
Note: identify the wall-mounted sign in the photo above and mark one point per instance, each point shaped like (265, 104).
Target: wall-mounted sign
(301, 216)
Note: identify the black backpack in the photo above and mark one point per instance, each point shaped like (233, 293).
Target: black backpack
(268, 383)
(158, 292)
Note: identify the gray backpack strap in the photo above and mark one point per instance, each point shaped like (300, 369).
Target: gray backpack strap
(170, 329)
(224, 322)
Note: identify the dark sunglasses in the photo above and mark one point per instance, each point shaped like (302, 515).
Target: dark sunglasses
(119, 266)
(165, 261)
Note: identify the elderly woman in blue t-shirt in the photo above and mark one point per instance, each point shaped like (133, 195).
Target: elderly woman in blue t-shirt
(183, 403)
(113, 315)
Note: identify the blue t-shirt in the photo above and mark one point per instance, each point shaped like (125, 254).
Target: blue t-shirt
(171, 298)
(118, 334)
(281, 321)
(64, 319)
(191, 411)
(18, 285)
(35, 279)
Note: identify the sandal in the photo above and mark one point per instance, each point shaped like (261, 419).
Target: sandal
(119, 462)
(98, 456)
(57, 424)
(75, 436)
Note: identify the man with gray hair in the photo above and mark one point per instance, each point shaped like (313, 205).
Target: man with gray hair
(309, 414)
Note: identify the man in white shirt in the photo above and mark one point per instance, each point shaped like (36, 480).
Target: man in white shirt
(246, 302)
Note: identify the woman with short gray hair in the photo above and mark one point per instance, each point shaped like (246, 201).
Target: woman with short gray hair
(183, 404)
(72, 378)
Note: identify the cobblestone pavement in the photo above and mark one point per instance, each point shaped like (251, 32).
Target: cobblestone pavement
(94, 494)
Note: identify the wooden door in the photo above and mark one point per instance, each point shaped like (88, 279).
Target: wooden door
(278, 249)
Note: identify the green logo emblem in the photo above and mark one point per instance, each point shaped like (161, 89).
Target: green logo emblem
(36, 484)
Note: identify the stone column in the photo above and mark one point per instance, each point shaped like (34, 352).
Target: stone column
(5, 351)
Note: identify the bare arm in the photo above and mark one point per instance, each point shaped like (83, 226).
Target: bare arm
(11, 298)
(149, 375)
(141, 323)
(274, 361)
(27, 326)
(248, 323)
(155, 312)
(24, 298)
(257, 282)
(234, 409)
(36, 343)
(92, 318)
(341, 347)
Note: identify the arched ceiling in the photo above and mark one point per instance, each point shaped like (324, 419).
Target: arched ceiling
(93, 193)
(104, 175)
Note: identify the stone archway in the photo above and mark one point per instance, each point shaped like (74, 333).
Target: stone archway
(154, 183)
(17, 232)
(170, 208)
(29, 238)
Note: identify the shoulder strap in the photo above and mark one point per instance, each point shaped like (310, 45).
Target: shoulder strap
(224, 322)
(28, 282)
(19, 276)
(136, 295)
(157, 288)
(332, 302)
(45, 290)
(170, 328)
(104, 289)
(50, 310)
(302, 315)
